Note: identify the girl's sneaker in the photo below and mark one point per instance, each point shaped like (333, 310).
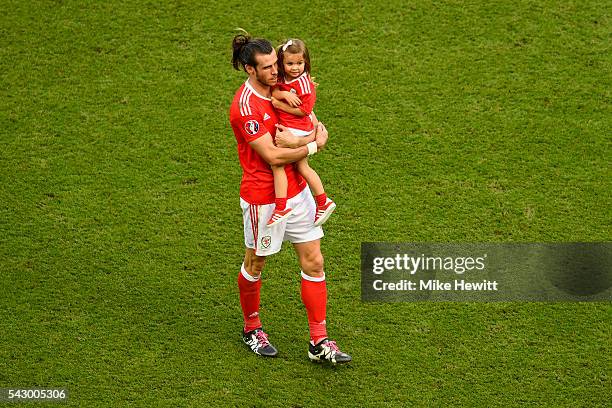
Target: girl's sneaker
(278, 216)
(323, 212)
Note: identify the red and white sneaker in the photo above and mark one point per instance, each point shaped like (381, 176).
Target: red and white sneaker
(278, 216)
(323, 212)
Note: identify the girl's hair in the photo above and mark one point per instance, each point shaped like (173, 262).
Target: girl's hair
(292, 46)
(246, 48)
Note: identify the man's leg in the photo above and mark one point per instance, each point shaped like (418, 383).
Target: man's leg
(314, 297)
(313, 287)
(249, 284)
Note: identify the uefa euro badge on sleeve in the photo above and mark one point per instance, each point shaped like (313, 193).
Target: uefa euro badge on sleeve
(251, 127)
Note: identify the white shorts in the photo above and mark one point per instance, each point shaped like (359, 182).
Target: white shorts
(299, 227)
(300, 132)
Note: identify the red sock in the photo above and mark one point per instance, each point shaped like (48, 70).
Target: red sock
(249, 300)
(280, 203)
(314, 296)
(321, 199)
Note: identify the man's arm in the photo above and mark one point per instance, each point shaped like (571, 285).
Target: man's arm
(287, 139)
(278, 156)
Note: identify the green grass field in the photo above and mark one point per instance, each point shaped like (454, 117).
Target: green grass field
(453, 121)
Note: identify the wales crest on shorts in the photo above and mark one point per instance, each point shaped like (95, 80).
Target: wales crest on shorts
(266, 241)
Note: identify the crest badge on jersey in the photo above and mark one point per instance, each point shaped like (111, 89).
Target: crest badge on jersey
(251, 127)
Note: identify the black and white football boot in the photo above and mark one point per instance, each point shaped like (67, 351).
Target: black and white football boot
(258, 342)
(327, 350)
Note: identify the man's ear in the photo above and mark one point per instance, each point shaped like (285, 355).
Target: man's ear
(249, 69)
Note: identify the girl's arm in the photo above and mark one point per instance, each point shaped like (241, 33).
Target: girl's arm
(285, 107)
(292, 99)
(314, 119)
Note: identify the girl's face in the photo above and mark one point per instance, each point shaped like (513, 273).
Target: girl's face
(293, 65)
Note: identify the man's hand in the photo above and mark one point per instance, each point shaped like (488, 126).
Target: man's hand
(285, 138)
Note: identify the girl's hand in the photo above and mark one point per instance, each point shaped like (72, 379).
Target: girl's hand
(275, 102)
(292, 99)
(322, 136)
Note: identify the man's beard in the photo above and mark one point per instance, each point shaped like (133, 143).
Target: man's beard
(262, 81)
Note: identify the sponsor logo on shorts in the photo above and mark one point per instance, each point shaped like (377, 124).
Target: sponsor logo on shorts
(251, 127)
(265, 241)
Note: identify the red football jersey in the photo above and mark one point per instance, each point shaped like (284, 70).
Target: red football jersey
(303, 87)
(252, 116)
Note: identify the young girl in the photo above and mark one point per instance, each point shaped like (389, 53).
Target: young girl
(294, 97)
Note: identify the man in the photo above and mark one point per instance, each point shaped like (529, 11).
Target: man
(255, 124)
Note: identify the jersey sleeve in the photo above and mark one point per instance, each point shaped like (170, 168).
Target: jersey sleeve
(308, 101)
(307, 95)
(251, 127)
